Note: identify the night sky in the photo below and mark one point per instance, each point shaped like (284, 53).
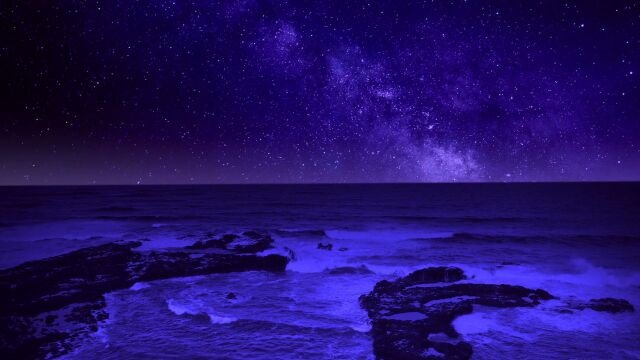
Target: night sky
(241, 91)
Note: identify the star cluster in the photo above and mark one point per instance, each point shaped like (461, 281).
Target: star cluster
(318, 91)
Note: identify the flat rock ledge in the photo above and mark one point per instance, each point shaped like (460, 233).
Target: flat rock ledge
(48, 305)
(408, 314)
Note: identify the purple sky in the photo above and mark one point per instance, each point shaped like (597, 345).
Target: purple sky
(340, 91)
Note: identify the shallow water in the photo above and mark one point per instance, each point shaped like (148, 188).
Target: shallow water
(577, 241)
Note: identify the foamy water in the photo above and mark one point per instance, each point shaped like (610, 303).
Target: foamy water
(578, 242)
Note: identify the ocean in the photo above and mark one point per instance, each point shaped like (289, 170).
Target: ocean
(574, 240)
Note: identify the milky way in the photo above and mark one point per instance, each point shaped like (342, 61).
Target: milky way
(341, 91)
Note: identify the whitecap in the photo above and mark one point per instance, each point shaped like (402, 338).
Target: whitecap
(180, 308)
(139, 286)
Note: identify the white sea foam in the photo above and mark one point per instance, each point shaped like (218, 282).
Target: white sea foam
(482, 322)
(215, 319)
(356, 247)
(139, 286)
(181, 308)
(363, 328)
(583, 280)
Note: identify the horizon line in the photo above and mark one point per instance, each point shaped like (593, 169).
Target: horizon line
(331, 183)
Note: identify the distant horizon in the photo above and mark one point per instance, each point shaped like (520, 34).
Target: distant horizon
(334, 183)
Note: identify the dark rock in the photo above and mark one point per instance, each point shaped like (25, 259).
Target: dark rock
(163, 265)
(70, 288)
(610, 305)
(248, 242)
(207, 244)
(251, 242)
(406, 311)
(423, 276)
(50, 319)
(231, 296)
(79, 276)
(349, 270)
(228, 238)
(327, 246)
(252, 234)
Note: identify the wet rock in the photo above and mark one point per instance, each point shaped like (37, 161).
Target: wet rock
(207, 244)
(349, 270)
(50, 319)
(609, 305)
(327, 246)
(79, 276)
(251, 242)
(46, 304)
(211, 242)
(406, 311)
(163, 265)
(247, 242)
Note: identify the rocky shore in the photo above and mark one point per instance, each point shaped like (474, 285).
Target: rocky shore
(47, 305)
(412, 316)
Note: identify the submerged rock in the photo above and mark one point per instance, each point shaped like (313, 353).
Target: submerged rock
(404, 313)
(47, 304)
(349, 270)
(610, 305)
(327, 246)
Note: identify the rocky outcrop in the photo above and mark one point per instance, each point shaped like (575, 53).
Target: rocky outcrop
(247, 242)
(609, 305)
(404, 313)
(46, 304)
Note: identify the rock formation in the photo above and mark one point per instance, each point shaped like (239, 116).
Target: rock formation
(47, 304)
(404, 313)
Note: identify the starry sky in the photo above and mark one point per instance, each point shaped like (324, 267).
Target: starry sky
(252, 91)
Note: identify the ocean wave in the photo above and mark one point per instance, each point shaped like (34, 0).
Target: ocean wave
(149, 218)
(569, 238)
(532, 323)
(463, 219)
(583, 279)
(308, 233)
(18, 205)
(139, 286)
(180, 308)
(115, 208)
(385, 234)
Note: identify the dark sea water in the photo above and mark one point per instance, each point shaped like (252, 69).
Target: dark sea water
(577, 241)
